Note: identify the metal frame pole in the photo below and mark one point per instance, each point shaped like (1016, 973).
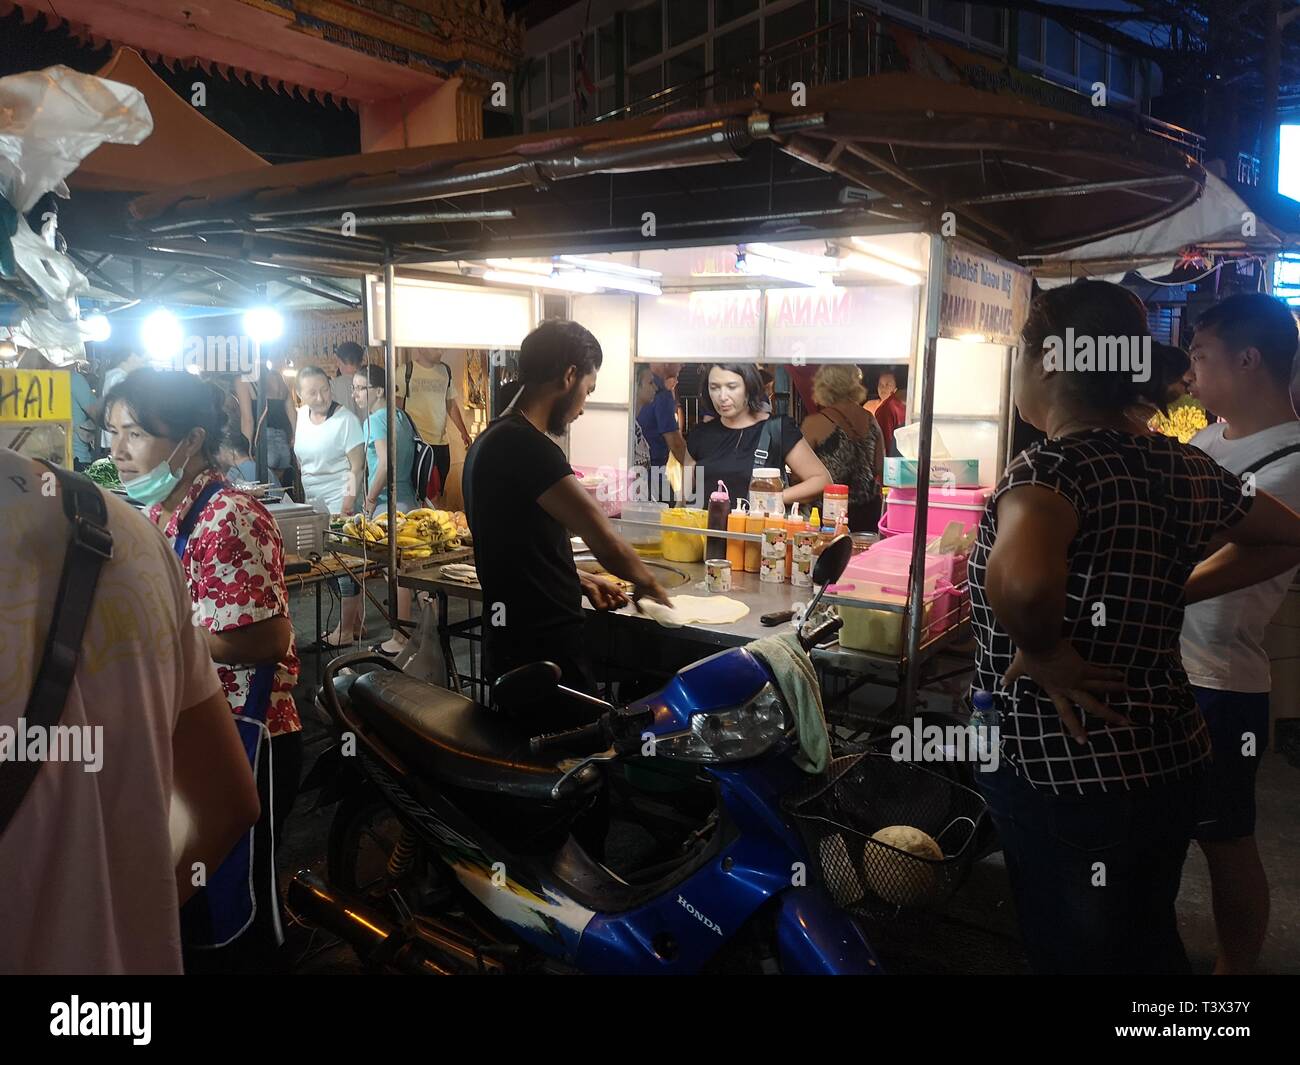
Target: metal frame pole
(916, 586)
(390, 376)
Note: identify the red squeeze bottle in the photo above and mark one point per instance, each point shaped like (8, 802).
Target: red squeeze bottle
(719, 508)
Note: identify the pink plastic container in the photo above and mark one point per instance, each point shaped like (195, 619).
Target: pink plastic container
(953, 603)
(607, 486)
(965, 505)
(882, 570)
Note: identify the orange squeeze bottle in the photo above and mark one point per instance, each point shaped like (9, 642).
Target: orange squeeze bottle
(736, 548)
(793, 524)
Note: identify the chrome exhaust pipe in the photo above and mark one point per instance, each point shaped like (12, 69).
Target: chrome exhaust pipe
(425, 947)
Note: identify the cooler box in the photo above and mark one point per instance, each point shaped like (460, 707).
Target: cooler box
(901, 473)
(965, 505)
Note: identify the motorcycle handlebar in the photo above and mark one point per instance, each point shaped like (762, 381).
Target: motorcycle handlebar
(813, 638)
(597, 730)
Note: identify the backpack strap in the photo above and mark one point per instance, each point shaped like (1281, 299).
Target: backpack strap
(90, 547)
(410, 369)
(1281, 453)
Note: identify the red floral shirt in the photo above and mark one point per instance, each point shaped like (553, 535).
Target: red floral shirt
(234, 564)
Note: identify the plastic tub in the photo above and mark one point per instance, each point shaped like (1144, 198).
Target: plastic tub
(644, 539)
(964, 505)
(953, 602)
(880, 631)
(882, 570)
(684, 547)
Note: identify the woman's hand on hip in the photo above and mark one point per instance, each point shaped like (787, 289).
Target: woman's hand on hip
(1069, 681)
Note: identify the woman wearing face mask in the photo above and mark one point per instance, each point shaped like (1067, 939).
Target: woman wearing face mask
(744, 436)
(1087, 554)
(165, 429)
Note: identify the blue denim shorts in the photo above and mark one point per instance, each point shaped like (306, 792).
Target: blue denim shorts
(1225, 797)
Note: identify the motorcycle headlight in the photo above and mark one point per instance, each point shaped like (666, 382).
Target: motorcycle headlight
(733, 734)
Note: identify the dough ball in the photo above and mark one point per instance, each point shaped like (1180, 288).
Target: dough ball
(838, 871)
(894, 878)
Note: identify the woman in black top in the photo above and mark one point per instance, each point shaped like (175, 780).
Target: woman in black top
(1086, 556)
(724, 449)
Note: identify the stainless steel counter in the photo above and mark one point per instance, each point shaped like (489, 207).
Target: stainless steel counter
(761, 598)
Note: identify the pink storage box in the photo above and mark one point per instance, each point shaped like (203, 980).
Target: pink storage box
(954, 600)
(880, 570)
(965, 505)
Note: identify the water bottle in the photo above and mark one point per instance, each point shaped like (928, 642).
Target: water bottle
(984, 711)
(983, 718)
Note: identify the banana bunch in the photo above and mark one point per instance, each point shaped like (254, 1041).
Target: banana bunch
(1184, 422)
(362, 528)
(434, 527)
(420, 533)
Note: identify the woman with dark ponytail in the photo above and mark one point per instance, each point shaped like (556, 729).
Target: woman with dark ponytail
(165, 429)
(1089, 551)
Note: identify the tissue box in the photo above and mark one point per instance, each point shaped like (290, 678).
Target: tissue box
(963, 473)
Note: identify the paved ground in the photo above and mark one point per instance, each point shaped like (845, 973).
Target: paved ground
(976, 934)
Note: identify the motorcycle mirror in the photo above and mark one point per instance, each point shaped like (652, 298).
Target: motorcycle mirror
(833, 560)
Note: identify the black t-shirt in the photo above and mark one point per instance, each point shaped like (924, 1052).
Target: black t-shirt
(728, 454)
(523, 555)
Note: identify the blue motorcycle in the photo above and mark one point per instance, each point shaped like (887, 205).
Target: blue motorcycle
(463, 845)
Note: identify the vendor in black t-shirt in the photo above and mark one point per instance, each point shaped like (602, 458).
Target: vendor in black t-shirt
(723, 448)
(522, 502)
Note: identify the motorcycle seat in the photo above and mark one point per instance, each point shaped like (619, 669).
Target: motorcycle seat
(455, 740)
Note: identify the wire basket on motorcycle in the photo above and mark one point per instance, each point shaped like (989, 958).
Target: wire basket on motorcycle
(887, 836)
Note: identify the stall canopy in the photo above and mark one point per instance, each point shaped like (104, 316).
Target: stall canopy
(1219, 223)
(184, 147)
(889, 149)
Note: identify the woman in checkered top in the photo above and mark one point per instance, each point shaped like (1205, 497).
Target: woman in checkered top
(1092, 545)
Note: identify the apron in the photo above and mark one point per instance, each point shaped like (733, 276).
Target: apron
(219, 913)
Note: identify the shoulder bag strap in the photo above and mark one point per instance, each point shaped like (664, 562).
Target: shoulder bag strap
(90, 547)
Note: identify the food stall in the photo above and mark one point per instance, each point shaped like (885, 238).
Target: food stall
(637, 229)
(948, 310)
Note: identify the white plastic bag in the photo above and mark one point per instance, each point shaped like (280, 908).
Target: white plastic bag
(51, 119)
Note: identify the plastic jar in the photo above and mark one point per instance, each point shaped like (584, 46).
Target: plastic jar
(835, 501)
(765, 490)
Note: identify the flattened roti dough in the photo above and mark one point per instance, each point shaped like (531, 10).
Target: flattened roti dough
(708, 609)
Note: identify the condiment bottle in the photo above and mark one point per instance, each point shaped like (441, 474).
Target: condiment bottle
(736, 548)
(835, 501)
(765, 490)
(719, 506)
(753, 548)
(793, 524)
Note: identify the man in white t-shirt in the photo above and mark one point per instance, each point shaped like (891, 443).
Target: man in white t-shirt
(426, 391)
(1242, 361)
(101, 852)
